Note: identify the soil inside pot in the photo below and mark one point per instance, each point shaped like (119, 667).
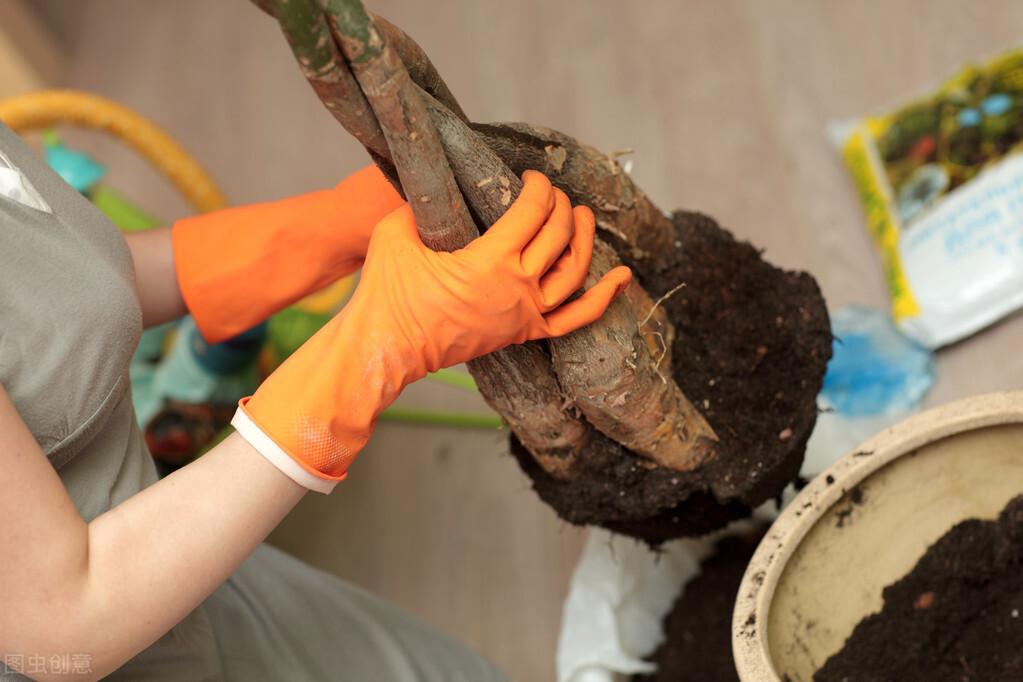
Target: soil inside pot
(958, 615)
(752, 343)
(698, 629)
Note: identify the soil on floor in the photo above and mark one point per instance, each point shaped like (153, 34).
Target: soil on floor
(752, 344)
(698, 629)
(957, 616)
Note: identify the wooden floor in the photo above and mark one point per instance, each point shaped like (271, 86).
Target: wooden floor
(725, 105)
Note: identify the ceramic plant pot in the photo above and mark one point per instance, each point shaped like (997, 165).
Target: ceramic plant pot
(864, 523)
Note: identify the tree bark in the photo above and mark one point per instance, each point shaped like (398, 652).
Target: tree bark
(441, 215)
(639, 230)
(618, 383)
(535, 413)
(420, 68)
(636, 226)
(305, 28)
(616, 371)
(608, 367)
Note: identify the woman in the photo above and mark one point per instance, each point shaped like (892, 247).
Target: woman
(107, 569)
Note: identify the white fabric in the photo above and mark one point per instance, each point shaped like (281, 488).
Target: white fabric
(16, 187)
(265, 445)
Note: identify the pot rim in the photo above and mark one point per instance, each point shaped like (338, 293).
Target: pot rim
(750, 645)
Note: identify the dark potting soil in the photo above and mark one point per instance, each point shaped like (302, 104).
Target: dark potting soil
(752, 343)
(957, 616)
(698, 629)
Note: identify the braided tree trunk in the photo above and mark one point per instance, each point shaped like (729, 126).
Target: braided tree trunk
(609, 380)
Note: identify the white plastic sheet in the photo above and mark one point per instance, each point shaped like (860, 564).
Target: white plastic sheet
(620, 592)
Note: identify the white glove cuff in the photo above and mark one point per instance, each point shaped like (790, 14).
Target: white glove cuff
(265, 446)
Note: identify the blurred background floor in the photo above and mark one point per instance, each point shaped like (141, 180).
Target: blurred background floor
(725, 104)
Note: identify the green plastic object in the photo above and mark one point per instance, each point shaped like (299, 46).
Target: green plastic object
(464, 420)
(290, 328)
(454, 378)
(124, 214)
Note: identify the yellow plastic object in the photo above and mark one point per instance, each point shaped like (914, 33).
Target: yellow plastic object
(45, 108)
(881, 221)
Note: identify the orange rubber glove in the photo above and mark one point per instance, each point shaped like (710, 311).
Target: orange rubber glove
(416, 311)
(238, 266)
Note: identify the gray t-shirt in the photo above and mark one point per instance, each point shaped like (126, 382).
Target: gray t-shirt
(69, 324)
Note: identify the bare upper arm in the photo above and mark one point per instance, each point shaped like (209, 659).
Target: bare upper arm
(156, 279)
(44, 537)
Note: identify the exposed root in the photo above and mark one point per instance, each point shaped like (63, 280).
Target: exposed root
(658, 302)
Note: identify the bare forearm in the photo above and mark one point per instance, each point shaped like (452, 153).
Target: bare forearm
(156, 280)
(155, 557)
(110, 588)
